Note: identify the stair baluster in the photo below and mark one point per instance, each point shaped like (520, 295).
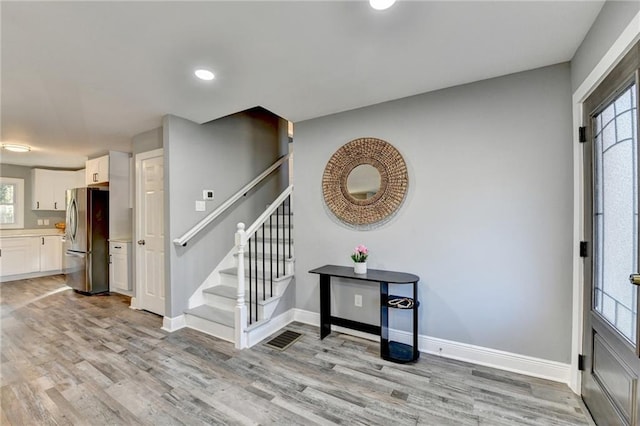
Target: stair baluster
(273, 261)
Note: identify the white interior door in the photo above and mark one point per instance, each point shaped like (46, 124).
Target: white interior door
(150, 290)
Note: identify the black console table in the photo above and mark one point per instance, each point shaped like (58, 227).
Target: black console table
(389, 350)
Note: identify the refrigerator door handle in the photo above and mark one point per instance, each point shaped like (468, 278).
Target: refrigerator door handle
(72, 219)
(74, 254)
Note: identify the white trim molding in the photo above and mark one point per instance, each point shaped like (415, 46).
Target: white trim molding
(616, 52)
(256, 335)
(508, 361)
(173, 324)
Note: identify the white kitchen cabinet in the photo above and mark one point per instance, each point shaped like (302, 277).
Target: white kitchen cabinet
(79, 181)
(114, 171)
(50, 253)
(97, 171)
(48, 188)
(19, 255)
(120, 267)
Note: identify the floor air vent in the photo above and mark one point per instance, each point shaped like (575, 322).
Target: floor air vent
(283, 340)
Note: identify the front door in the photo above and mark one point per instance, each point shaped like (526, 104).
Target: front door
(610, 341)
(149, 245)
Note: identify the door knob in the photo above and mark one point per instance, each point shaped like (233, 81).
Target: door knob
(634, 279)
(141, 242)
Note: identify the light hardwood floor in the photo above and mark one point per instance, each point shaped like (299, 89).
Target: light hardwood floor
(73, 359)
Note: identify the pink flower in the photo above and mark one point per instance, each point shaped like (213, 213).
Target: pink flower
(360, 254)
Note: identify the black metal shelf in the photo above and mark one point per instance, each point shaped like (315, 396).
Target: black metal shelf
(392, 350)
(400, 302)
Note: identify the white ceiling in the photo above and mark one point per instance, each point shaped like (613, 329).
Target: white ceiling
(80, 78)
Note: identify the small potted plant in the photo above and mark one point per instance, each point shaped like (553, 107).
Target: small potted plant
(359, 258)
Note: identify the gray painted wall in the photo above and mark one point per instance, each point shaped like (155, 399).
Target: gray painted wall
(147, 141)
(30, 216)
(487, 222)
(611, 21)
(223, 155)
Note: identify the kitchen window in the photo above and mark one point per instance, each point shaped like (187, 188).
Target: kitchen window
(11, 203)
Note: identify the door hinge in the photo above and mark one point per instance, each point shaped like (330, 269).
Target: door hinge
(584, 248)
(581, 361)
(582, 134)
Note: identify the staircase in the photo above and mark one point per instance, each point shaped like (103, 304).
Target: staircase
(250, 283)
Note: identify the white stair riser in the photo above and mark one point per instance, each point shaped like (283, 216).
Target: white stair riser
(268, 252)
(280, 267)
(265, 310)
(209, 327)
(278, 270)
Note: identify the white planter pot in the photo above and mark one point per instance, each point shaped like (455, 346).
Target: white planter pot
(360, 267)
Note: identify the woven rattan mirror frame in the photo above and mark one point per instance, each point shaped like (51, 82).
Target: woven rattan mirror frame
(393, 182)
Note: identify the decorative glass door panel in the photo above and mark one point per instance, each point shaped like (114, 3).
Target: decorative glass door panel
(615, 218)
(610, 346)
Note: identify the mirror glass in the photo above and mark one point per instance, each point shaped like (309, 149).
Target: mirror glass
(363, 182)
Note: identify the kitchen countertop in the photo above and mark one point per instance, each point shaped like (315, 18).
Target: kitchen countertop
(120, 240)
(16, 233)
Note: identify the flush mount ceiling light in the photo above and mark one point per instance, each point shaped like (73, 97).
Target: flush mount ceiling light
(381, 4)
(16, 148)
(203, 74)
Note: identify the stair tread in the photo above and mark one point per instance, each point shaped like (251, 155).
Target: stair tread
(227, 291)
(222, 290)
(212, 314)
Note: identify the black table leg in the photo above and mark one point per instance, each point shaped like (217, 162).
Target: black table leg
(325, 305)
(416, 352)
(384, 320)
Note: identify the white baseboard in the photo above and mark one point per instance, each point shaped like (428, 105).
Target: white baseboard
(508, 361)
(134, 304)
(9, 278)
(173, 324)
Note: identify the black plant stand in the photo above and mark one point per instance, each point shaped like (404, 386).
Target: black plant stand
(389, 350)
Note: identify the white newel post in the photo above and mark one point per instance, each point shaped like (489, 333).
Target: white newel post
(241, 308)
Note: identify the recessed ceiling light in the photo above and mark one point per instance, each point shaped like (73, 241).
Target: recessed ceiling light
(16, 148)
(381, 4)
(203, 74)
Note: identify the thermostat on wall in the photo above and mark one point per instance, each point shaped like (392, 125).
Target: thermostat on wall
(207, 194)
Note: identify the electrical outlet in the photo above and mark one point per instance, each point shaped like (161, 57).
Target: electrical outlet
(40, 222)
(46, 222)
(200, 206)
(358, 300)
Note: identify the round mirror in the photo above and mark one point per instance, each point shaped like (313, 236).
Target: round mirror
(363, 182)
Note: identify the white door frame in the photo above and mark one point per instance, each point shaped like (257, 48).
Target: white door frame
(159, 152)
(616, 52)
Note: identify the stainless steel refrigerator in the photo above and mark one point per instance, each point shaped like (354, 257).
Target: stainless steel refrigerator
(86, 255)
